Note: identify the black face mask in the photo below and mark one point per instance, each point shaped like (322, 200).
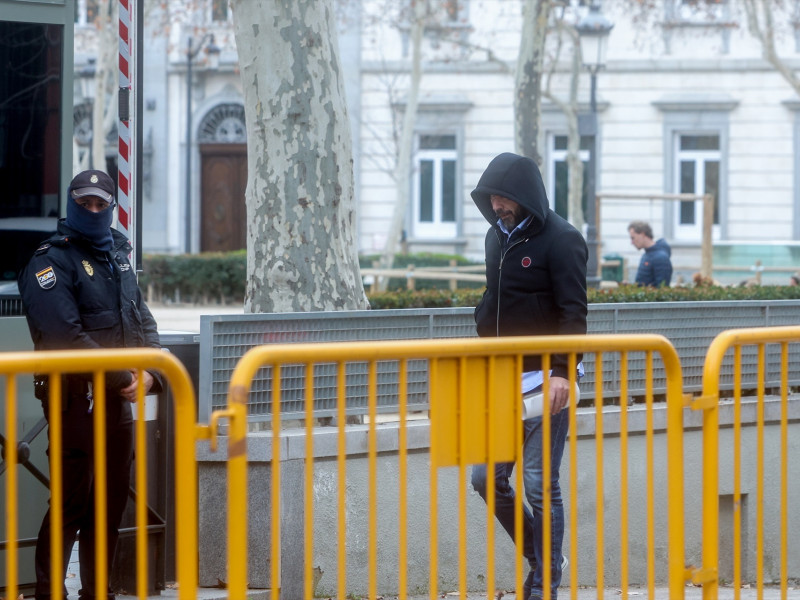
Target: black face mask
(95, 226)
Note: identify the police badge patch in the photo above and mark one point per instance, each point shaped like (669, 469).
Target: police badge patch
(87, 267)
(46, 278)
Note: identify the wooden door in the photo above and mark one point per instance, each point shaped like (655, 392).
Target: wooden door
(223, 215)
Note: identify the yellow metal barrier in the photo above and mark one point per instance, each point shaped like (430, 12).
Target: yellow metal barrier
(97, 362)
(475, 417)
(736, 339)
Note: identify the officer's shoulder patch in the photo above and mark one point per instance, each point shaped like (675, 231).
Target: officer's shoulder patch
(46, 278)
(55, 241)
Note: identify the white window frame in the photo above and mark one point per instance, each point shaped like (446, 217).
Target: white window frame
(81, 8)
(694, 231)
(795, 107)
(690, 116)
(715, 14)
(228, 13)
(439, 11)
(437, 228)
(554, 156)
(702, 11)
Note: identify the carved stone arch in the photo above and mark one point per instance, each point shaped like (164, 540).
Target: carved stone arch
(223, 124)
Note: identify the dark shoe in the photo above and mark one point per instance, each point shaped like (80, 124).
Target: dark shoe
(526, 588)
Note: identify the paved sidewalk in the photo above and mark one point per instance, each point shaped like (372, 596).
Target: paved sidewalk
(691, 593)
(186, 317)
(584, 593)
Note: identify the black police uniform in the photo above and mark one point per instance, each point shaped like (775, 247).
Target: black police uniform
(75, 297)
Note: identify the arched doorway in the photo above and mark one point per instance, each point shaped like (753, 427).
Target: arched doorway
(223, 156)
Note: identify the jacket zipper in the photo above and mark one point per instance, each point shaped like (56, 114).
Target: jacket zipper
(118, 281)
(500, 275)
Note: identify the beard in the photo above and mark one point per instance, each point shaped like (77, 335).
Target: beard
(512, 218)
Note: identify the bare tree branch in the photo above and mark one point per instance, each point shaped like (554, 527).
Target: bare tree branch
(760, 25)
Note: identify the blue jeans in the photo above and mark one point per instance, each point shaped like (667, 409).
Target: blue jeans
(532, 479)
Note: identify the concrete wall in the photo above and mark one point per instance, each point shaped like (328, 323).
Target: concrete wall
(583, 511)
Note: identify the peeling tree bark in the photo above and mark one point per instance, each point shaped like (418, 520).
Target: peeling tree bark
(301, 247)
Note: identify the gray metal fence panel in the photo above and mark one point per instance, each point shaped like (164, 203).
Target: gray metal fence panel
(690, 326)
(224, 339)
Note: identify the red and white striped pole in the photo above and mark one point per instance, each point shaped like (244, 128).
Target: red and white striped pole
(124, 142)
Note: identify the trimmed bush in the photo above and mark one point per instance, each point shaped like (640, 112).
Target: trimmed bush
(633, 293)
(425, 299)
(214, 277)
(208, 278)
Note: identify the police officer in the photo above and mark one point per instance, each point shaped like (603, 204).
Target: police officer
(79, 291)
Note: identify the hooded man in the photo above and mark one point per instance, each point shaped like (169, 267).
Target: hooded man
(535, 285)
(655, 268)
(79, 291)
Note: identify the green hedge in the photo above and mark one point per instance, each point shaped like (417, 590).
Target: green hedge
(221, 278)
(633, 293)
(623, 293)
(212, 277)
(425, 299)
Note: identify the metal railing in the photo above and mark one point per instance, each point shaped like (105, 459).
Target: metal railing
(97, 363)
(690, 326)
(708, 402)
(475, 411)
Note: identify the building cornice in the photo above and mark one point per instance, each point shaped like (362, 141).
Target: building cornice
(694, 102)
(660, 65)
(404, 66)
(792, 104)
(438, 102)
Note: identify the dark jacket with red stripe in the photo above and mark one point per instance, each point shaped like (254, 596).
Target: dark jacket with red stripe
(536, 280)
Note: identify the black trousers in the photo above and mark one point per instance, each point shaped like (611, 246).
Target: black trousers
(77, 456)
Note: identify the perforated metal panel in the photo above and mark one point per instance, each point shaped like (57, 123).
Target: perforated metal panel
(11, 307)
(690, 326)
(224, 340)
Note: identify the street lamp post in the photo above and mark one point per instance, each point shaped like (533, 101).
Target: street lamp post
(593, 30)
(213, 52)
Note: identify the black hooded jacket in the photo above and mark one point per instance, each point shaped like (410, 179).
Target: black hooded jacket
(536, 281)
